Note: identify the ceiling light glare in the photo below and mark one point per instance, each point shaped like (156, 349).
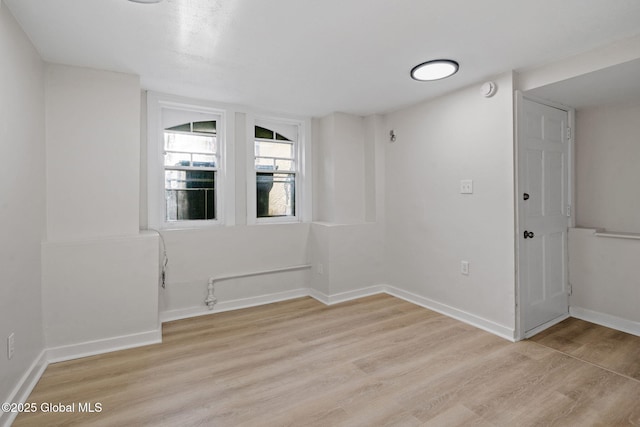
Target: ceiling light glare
(434, 70)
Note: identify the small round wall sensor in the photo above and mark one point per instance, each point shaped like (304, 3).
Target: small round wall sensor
(488, 89)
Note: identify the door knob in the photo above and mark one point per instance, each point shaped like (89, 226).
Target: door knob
(525, 196)
(528, 234)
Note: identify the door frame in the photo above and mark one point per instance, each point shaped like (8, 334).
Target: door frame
(518, 120)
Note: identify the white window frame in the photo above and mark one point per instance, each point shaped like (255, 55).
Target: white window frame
(155, 154)
(301, 182)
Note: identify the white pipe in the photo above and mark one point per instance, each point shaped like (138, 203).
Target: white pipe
(211, 300)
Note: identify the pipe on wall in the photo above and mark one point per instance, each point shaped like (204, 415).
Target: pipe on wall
(211, 300)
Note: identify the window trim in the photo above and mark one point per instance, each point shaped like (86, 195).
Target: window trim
(155, 160)
(301, 191)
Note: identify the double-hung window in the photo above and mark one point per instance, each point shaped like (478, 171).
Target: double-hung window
(276, 166)
(185, 186)
(193, 155)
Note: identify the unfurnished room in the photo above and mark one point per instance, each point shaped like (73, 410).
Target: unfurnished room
(319, 213)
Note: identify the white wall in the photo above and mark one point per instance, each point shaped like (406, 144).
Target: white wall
(602, 271)
(323, 176)
(376, 137)
(604, 280)
(430, 226)
(103, 289)
(351, 256)
(100, 276)
(93, 129)
(339, 155)
(195, 255)
(22, 201)
(347, 238)
(607, 152)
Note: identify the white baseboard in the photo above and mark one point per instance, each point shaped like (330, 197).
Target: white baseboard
(24, 387)
(471, 319)
(91, 348)
(614, 322)
(346, 296)
(184, 313)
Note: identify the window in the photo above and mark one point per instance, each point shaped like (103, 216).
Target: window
(186, 173)
(197, 166)
(276, 169)
(190, 169)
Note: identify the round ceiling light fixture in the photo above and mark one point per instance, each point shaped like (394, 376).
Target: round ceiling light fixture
(434, 70)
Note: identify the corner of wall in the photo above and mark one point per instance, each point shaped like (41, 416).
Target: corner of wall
(143, 210)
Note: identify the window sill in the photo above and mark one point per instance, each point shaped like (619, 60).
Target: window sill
(190, 225)
(276, 220)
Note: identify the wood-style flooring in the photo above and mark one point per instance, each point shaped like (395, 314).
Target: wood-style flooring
(605, 347)
(370, 362)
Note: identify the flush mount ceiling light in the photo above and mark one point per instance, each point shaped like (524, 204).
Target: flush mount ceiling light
(434, 70)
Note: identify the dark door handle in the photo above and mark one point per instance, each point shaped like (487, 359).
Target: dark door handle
(525, 196)
(528, 234)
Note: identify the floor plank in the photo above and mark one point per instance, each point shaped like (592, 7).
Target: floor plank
(374, 361)
(605, 347)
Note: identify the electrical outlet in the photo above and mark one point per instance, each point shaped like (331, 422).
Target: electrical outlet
(464, 267)
(11, 345)
(466, 186)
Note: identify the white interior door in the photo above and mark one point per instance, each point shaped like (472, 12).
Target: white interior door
(543, 186)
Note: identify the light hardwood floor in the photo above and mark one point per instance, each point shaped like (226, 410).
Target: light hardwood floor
(605, 347)
(374, 361)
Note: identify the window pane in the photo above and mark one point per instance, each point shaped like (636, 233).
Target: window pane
(177, 159)
(274, 149)
(263, 164)
(261, 132)
(284, 165)
(269, 164)
(189, 143)
(205, 127)
(182, 128)
(275, 194)
(281, 137)
(190, 195)
(204, 160)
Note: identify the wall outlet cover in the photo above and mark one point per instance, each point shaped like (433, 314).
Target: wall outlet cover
(11, 345)
(466, 186)
(464, 267)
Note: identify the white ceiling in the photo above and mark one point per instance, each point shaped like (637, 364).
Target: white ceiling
(312, 57)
